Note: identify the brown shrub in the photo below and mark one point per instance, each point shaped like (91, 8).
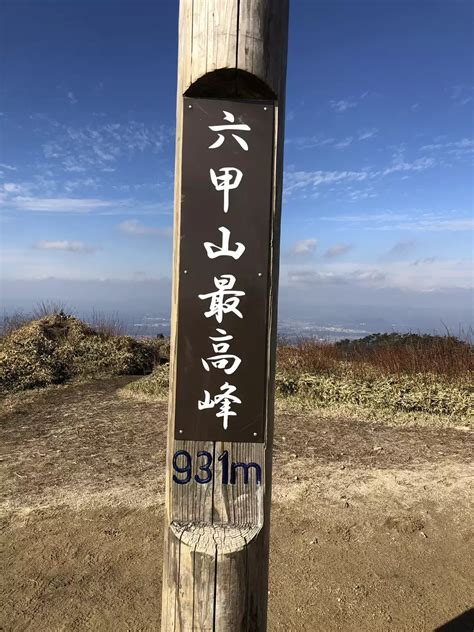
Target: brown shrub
(307, 356)
(56, 348)
(387, 353)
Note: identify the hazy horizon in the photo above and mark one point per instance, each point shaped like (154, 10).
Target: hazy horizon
(333, 317)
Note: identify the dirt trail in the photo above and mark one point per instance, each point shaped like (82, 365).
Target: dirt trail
(371, 526)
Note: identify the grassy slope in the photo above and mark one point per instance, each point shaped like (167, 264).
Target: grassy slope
(390, 384)
(407, 379)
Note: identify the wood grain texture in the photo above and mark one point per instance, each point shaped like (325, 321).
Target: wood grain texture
(216, 542)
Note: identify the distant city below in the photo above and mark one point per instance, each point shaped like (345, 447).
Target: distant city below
(143, 307)
(151, 326)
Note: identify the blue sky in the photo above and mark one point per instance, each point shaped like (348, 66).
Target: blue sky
(377, 205)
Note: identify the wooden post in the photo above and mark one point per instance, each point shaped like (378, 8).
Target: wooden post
(217, 535)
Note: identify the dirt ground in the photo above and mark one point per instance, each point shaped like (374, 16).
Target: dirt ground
(371, 527)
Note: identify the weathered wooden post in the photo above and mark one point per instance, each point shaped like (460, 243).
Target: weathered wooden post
(229, 154)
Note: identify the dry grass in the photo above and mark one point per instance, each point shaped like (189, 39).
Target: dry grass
(307, 356)
(426, 383)
(58, 348)
(419, 393)
(420, 378)
(48, 307)
(390, 374)
(371, 415)
(11, 322)
(446, 356)
(107, 324)
(153, 387)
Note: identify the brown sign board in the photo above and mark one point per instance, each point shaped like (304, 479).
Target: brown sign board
(224, 252)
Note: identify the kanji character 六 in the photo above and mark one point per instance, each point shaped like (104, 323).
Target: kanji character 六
(228, 116)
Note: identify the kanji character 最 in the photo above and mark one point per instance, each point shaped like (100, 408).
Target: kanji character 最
(225, 299)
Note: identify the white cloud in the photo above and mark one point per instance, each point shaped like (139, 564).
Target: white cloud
(13, 187)
(8, 167)
(371, 218)
(342, 105)
(304, 246)
(136, 228)
(310, 142)
(300, 180)
(72, 98)
(425, 261)
(462, 94)
(430, 274)
(437, 146)
(399, 164)
(338, 250)
(369, 133)
(452, 149)
(402, 248)
(309, 276)
(57, 205)
(415, 220)
(425, 275)
(99, 146)
(64, 245)
(342, 144)
(356, 195)
(80, 183)
(438, 225)
(23, 196)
